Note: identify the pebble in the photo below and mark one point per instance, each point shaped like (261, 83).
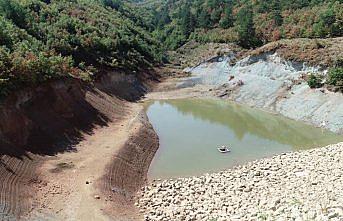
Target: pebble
(305, 185)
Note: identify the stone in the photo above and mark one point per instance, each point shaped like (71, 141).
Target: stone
(286, 189)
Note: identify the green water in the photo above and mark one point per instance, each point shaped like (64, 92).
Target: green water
(190, 130)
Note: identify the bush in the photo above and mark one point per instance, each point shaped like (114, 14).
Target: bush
(46, 40)
(314, 81)
(335, 76)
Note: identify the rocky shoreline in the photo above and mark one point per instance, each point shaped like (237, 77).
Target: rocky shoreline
(305, 185)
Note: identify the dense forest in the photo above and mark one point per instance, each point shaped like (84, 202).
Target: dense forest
(42, 40)
(246, 22)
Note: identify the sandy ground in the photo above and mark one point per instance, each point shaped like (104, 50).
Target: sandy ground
(68, 181)
(168, 89)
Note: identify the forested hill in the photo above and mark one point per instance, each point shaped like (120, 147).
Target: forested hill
(47, 39)
(42, 40)
(247, 22)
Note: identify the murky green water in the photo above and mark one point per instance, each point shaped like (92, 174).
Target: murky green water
(190, 130)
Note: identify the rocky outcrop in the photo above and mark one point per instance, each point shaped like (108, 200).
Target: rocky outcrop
(269, 82)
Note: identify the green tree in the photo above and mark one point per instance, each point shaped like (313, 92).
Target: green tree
(12, 10)
(246, 29)
(163, 17)
(227, 20)
(276, 12)
(335, 76)
(215, 15)
(204, 19)
(187, 20)
(326, 25)
(314, 81)
(114, 4)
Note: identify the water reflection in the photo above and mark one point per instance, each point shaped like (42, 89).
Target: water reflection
(244, 120)
(191, 129)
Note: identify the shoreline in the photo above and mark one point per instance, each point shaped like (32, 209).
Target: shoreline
(298, 185)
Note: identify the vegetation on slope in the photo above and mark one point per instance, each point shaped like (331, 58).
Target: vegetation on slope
(48, 39)
(249, 23)
(333, 81)
(42, 40)
(326, 53)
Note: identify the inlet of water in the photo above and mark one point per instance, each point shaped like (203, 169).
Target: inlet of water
(190, 130)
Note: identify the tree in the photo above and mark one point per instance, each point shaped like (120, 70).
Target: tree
(163, 17)
(114, 4)
(14, 11)
(245, 28)
(227, 20)
(204, 19)
(326, 25)
(187, 21)
(215, 15)
(276, 13)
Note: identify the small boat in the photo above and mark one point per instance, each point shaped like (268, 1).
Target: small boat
(224, 149)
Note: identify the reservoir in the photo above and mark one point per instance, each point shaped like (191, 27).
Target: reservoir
(191, 130)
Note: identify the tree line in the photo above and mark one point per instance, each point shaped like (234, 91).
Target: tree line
(246, 22)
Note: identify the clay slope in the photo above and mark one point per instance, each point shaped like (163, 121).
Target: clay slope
(16, 175)
(128, 171)
(53, 118)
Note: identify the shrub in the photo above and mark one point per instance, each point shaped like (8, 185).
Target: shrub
(335, 76)
(314, 81)
(43, 40)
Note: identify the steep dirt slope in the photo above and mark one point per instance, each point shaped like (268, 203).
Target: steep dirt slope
(48, 130)
(99, 180)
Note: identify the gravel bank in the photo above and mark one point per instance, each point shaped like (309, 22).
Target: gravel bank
(306, 185)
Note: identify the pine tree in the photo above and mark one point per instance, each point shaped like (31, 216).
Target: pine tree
(245, 28)
(204, 19)
(276, 12)
(187, 20)
(227, 20)
(163, 17)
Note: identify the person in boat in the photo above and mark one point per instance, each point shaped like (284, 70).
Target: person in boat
(224, 149)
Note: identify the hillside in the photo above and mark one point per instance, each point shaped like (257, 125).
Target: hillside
(44, 40)
(77, 78)
(246, 22)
